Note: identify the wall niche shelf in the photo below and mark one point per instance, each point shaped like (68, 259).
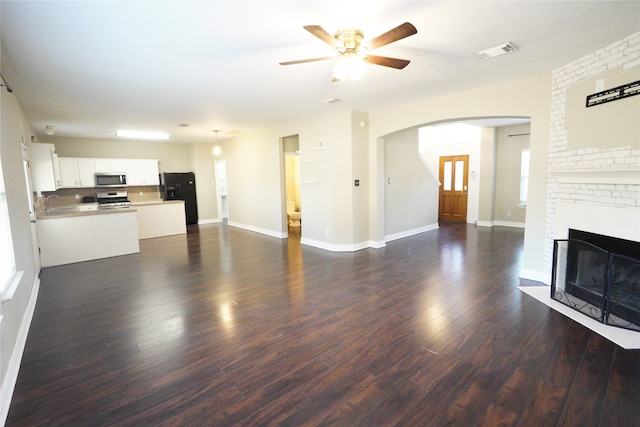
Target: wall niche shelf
(597, 176)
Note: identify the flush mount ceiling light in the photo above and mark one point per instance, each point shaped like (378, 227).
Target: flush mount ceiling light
(497, 50)
(49, 130)
(139, 134)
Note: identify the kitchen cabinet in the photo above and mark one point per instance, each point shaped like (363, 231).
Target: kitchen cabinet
(65, 240)
(115, 234)
(110, 165)
(43, 164)
(142, 172)
(87, 236)
(77, 172)
(138, 171)
(161, 219)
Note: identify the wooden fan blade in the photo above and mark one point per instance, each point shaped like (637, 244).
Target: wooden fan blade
(302, 61)
(388, 62)
(398, 33)
(323, 35)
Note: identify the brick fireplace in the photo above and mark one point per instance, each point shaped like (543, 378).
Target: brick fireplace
(593, 164)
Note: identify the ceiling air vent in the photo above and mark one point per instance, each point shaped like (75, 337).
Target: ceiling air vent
(332, 101)
(497, 50)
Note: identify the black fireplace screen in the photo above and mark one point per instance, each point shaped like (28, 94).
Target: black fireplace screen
(599, 283)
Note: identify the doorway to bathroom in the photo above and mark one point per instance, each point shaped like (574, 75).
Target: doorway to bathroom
(291, 151)
(220, 167)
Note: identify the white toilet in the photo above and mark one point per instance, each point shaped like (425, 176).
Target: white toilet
(292, 215)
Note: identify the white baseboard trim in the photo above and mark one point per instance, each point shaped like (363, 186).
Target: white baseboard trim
(509, 224)
(209, 221)
(484, 223)
(348, 247)
(411, 232)
(499, 223)
(11, 376)
(377, 244)
(272, 233)
(536, 276)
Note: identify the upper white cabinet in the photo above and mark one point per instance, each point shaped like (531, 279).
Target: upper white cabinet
(111, 165)
(142, 172)
(43, 163)
(77, 172)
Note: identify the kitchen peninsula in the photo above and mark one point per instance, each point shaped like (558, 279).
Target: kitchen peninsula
(68, 235)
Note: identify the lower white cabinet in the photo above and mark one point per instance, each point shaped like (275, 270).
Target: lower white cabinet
(115, 235)
(161, 219)
(65, 240)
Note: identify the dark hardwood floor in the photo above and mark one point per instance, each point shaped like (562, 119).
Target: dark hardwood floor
(228, 327)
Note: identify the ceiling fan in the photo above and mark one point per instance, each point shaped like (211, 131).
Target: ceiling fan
(353, 53)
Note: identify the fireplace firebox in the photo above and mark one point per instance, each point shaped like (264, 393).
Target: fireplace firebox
(599, 276)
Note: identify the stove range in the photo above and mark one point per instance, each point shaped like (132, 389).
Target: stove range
(112, 199)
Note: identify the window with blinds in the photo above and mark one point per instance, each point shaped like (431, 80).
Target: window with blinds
(7, 259)
(524, 177)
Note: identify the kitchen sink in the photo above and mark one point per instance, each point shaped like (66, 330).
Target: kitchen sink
(61, 209)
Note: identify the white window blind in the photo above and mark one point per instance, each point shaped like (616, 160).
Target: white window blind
(7, 259)
(524, 177)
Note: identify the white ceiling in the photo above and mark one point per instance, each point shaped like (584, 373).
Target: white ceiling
(90, 68)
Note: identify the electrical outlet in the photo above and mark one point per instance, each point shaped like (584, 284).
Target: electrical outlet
(77, 197)
(326, 231)
(141, 193)
(508, 213)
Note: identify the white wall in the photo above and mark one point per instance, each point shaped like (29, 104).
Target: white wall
(434, 147)
(360, 170)
(487, 177)
(16, 313)
(411, 192)
(528, 97)
(201, 160)
(333, 153)
(508, 162)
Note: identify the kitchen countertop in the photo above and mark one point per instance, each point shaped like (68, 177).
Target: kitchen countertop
(72, 212)
(156, 202)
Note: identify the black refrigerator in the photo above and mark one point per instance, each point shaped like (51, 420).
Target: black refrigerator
(181, 186)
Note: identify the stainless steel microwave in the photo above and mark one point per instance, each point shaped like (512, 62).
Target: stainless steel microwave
(111, 180)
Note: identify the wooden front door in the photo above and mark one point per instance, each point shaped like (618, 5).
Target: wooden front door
(454, 180)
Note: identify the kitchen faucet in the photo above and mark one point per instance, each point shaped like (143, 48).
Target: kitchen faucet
(46, 201)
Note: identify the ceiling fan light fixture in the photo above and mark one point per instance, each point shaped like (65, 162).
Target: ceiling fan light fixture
(349, 68)
(49, 130)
